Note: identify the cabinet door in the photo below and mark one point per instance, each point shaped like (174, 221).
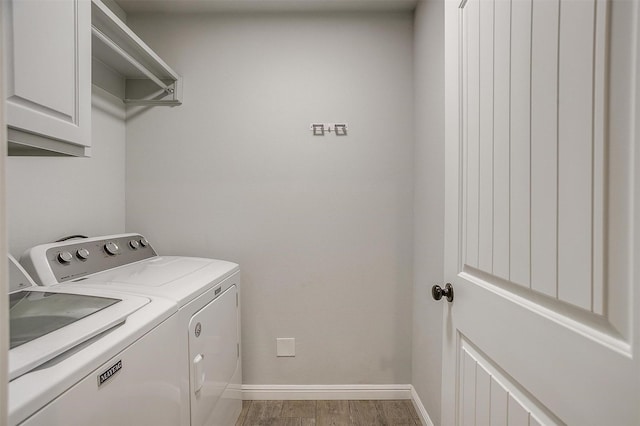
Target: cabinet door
(48, 57)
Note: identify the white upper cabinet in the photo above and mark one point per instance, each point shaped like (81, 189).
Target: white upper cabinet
(48, 71)
(49, 49)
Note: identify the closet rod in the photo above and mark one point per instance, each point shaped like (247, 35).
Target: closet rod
(152, 102)
(130, 59)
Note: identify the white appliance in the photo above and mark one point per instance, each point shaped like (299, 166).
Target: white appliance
(90, 356)
(205, 290)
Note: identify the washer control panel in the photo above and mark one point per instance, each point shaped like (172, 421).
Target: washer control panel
(70, 260)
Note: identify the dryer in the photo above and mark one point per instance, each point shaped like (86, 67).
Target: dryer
(207, 294)
(90, 356)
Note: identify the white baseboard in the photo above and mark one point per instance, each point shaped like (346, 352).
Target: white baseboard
(422, 412)
(337, 392)
(325, 392)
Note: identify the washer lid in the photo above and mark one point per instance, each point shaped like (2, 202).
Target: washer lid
(18, 277)
(45, 323)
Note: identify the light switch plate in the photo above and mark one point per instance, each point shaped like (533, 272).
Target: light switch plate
(285, 346)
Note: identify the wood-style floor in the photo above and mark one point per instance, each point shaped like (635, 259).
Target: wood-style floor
(328, 413)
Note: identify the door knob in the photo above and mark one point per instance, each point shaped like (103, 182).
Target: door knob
(437, 292)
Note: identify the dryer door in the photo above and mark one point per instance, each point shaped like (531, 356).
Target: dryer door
(213, 355)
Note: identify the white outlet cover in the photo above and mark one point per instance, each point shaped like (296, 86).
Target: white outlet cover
(285, 346)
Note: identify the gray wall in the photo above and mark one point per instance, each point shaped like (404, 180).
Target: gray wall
(428, 203)
(51, 197)
(321, 226)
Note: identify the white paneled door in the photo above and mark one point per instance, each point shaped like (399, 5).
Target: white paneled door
(542, 212)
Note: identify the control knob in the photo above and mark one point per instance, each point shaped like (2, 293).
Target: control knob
(134, 244)
(111, 248)
(144, 242)
(64, 257)
(82, 254)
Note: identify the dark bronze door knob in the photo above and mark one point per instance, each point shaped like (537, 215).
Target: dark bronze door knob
(437, 292)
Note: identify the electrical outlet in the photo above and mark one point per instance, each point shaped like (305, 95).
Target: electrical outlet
(285, 346)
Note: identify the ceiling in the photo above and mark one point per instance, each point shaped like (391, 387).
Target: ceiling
(204, 6)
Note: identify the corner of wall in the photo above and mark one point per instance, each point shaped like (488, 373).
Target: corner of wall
(428, 204)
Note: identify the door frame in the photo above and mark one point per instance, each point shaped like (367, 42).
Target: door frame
(4, 310)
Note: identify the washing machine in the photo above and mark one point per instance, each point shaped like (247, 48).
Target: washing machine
(90, 356)
(207, 294)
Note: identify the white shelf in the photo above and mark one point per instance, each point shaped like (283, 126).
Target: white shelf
(119, 48)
